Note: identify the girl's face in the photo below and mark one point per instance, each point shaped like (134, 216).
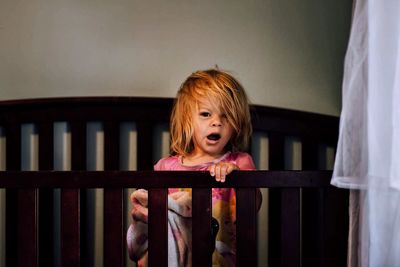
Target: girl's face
(211, 130)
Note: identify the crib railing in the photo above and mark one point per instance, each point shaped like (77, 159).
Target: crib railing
(331, 214)
(307, 218)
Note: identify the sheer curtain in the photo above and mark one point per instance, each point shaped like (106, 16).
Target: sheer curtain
(368, 153)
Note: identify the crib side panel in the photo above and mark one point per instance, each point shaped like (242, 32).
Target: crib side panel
(314, 205)
(324, 212)
(319, 207)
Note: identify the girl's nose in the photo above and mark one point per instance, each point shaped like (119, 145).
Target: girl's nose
(216, 121)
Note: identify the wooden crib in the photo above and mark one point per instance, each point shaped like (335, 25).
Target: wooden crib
(307, 217)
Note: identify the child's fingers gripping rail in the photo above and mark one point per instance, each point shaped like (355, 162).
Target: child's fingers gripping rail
(221, 170)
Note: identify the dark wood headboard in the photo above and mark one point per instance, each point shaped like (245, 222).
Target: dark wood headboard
(312, 129)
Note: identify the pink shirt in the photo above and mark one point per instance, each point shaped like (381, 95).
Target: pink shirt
(223, 202)
(173, 163)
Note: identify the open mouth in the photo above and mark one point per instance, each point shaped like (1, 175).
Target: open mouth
(214, 137)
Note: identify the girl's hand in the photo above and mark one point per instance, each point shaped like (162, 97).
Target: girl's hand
(221, 170)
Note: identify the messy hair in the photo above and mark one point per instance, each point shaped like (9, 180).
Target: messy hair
(222, 89)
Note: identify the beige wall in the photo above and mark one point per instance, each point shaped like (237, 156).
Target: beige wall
(287, 53)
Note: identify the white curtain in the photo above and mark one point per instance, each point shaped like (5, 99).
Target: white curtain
(368, 153)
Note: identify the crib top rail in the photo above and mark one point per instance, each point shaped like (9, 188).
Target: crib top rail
(165, 179)
(285, 121)
(289, 243)
(85, 109)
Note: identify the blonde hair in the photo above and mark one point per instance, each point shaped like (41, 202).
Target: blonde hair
(231, 99)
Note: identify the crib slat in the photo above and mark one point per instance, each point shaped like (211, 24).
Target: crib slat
(113, 228)
(158, 231)
(290, 227)
(27, 228)
(13, 163)
(202, 240)
(11, 227)
(70, 228)
(309, 154)
(276, 162)
(336, 226)
(13, 147)
(312, 214)
(111, 145)
(46, 145)
(46, 196)
(276, 151)
(246, 230)
(113, 201)
(78, 145)
(313, 245)
(144, 145)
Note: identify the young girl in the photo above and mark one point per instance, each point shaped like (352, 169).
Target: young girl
(210, 128)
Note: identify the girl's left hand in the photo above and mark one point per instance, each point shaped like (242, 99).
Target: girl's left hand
(221, 170)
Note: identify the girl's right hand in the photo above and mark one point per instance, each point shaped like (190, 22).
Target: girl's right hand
(221, 170)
